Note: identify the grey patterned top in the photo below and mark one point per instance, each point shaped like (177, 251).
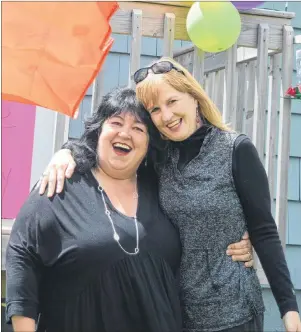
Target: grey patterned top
(216, 292)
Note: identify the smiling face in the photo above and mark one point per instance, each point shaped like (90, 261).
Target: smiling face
(174, 113)
(122, 145)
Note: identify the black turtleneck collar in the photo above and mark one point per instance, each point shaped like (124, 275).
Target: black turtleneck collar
(197, 136)
(190, 147)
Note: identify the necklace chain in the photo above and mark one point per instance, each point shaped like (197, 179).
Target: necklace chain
(116, 237)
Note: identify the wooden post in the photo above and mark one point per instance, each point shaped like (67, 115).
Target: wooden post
(241, 98)
(273, 110)
(231, 85)
(61, 130)
(169, 34)
(96, 92)
(219, 89)
(261, 89)
(135, 44)
(198, 65)
(284, 134)
(207, 84)
(249, 114)
(213, 87)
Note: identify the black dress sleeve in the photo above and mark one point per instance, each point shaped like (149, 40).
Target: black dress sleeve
(23, 260)
(252, 187)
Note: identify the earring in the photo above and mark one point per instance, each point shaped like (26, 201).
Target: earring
(145, 163)
(198, 120)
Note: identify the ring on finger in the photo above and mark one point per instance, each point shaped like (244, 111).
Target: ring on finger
(45, 174)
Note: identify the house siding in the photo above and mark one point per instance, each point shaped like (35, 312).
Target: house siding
(293, 242)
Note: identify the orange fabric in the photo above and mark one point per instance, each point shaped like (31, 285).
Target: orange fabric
(52, 51)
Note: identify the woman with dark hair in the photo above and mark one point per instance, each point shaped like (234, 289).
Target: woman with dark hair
(102, 256)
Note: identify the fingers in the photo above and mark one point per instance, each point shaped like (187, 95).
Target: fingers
(61, 170)
(238, 252)
(70, 169)
(241, 255)
(240, 245)
(65, 170)
(242, 258)
(43, 183)
(54, 178)
(249, 263)
(51, 181)
(61, 165)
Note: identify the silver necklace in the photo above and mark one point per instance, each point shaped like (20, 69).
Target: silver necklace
(115, 234)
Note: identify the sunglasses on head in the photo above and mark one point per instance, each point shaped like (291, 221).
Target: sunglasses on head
(162, 67)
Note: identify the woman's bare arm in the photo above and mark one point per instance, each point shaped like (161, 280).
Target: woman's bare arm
(22, 324)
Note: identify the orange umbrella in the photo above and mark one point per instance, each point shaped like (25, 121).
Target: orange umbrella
(52, 51)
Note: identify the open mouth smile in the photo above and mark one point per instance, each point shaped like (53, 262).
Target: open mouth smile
(175, 124)
(121, 149)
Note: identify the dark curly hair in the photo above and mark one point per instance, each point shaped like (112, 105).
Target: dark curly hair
(119, 100)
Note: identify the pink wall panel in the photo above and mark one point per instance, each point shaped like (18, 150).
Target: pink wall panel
(18, 122)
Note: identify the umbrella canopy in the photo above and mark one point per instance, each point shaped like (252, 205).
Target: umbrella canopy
(52, 51)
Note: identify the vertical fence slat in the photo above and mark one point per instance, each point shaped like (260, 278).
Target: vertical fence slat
(205, 83)
(241, 97)
(284, 134)
(216, 88)
(272, 120)
(169, 34)
(96, 92)
(135, 43)
(219, 89)
(249, 114)
(198, 65)
(212, 85)
(61, 130)
(209, 85)
(261, 83)
(231, 84)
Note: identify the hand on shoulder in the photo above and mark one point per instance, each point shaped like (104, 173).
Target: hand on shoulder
(61, 166)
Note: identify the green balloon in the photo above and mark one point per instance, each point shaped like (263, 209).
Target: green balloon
(213, 26)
